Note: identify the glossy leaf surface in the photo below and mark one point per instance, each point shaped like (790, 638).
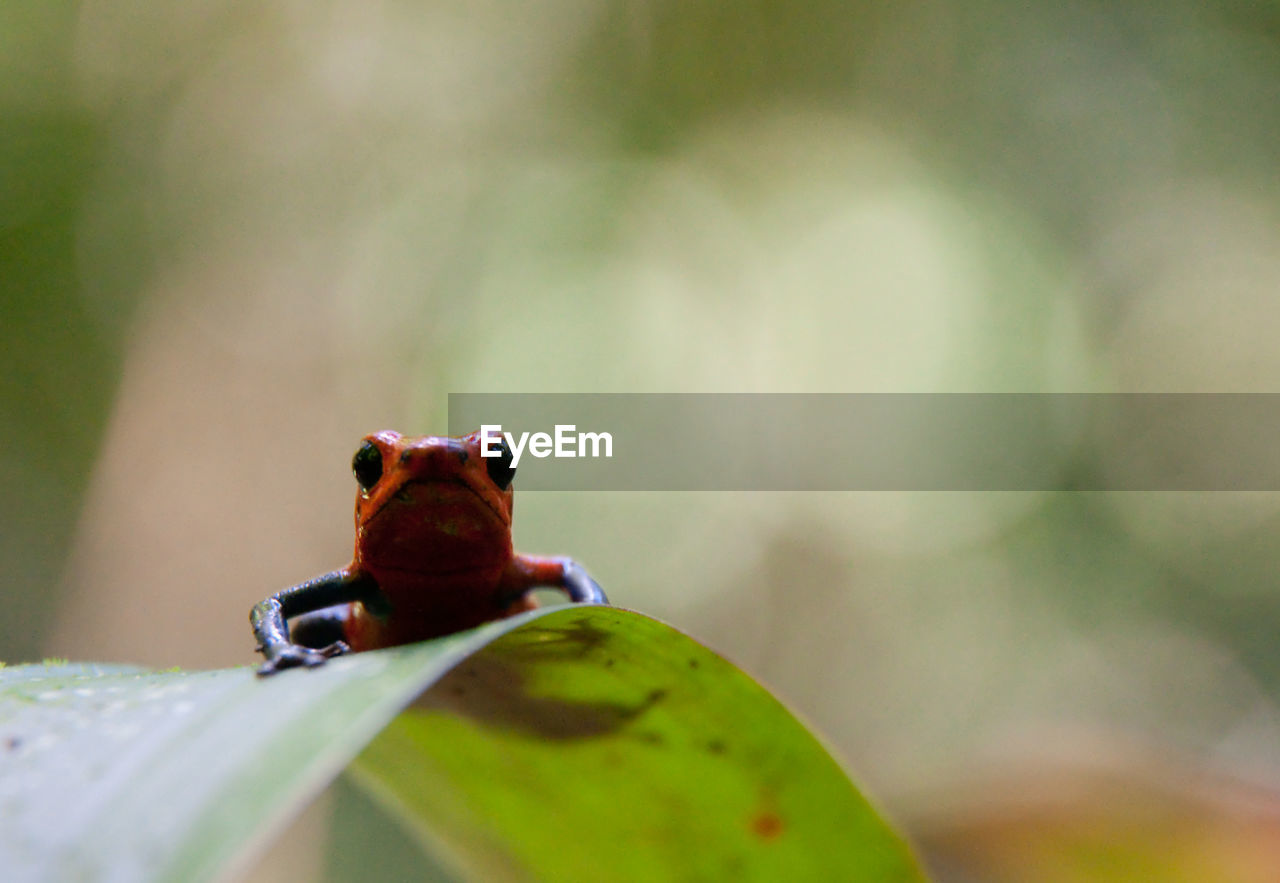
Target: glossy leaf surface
(557, 733)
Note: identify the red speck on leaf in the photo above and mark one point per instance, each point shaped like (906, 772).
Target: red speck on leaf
(766, 825)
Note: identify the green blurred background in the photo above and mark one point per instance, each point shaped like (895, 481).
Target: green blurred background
(236, 237)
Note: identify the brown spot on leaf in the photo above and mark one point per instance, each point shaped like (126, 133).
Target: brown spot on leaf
(498, 695)
(767, 825)
(571, 640)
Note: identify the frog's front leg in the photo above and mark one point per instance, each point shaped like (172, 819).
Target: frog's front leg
(321, 628)
(530, 572)
(270, 617)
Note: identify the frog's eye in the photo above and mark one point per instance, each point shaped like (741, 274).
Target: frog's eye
(367, 465)
(500, 469)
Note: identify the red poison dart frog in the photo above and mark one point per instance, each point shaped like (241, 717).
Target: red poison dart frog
(433, 556)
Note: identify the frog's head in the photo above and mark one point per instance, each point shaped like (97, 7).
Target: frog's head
(431, 504)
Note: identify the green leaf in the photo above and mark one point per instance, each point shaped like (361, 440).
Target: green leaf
(116, 773)
(598, 744)
(570, 722)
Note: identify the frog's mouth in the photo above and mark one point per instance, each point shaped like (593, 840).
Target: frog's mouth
(439, 497)
(435, 526)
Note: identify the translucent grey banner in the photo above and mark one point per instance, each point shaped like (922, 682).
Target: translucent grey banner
(884, 442)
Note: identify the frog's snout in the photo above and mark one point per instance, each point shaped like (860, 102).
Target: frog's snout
(434, 456)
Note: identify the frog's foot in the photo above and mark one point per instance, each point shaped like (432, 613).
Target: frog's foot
(295, 656)
(579, 584)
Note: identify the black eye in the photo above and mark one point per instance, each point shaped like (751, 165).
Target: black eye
(500, 469)
(367, 465)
